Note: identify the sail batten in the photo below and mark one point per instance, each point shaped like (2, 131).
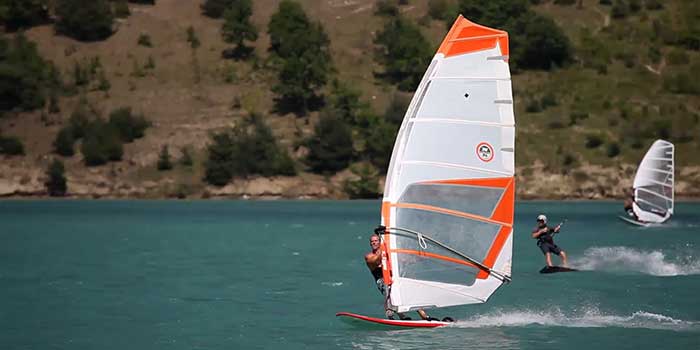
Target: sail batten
(453, 165)
(455, 121)
(451, 177)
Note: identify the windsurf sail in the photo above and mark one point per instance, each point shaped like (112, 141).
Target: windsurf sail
(449, 193)
(653, 184)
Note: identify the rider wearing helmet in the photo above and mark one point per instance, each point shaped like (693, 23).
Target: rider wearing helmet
(545, 241)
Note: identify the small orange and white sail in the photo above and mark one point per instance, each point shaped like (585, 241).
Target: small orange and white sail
(449, 195)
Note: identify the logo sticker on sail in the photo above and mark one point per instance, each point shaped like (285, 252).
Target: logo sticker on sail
(484, 151)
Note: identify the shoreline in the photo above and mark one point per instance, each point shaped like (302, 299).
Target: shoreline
(286, 199)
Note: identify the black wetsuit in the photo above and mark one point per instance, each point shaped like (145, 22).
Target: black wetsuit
(379, 279)
(546, 242)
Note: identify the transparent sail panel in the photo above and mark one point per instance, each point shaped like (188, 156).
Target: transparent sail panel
(430, 269)
(468, 199)
(655, 199)
(469, 237)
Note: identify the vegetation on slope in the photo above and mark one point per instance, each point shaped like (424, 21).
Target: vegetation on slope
(594, 82)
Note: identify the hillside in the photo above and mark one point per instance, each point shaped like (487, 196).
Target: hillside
(581, 128)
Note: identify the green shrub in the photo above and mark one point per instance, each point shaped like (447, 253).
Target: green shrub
(548, 100)
(682, 83)
(593, 141)
(405, 53)
(634, 6)
(437, 9)
(613, 150)
(84, 20)
(653, 4)
(192, 38)
(101, 144)
(248, 149)
(575, 116)
(568, 160)
(145, 40)
(366, 186)
(150, 63)
(331, 145)
(301, 52)
(128, 125)
(64, 142)
(164, 162)
(386, 8)
(25, 77)
(555, 125)
(620, 9)
(121, 9)
(220, 159)
(56, 183)
(11, 146)
(216, 8)
(533, 106)
(237, 27)
(186, 158)
(678, 57)
(16, 14)
(654, 54)
(396, 110)
(379, 143)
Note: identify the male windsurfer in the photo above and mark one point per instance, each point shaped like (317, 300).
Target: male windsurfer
(629, 208)
(545, 241)
(374, 263)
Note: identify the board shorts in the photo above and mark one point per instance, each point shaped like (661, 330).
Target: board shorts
(381, 286)
(549, 248)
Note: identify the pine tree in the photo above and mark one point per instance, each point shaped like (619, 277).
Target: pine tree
(237, 27)
(84, 20)
(186, 158)
(16, 14)
(56, 182)
(216, 8)
(63, 144)
(405, 53)
(331, 145)
(164, 162)
(302, 50)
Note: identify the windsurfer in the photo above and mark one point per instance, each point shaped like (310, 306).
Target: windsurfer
(629, 208)
(374, 263)
(545, 241)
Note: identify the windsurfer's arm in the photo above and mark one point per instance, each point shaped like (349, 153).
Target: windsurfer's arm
(538, 232)
(373, 259)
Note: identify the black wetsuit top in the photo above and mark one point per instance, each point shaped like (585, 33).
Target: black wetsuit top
(545, 237)
(377, 273)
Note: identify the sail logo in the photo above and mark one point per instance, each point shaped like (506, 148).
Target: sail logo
(484, 151)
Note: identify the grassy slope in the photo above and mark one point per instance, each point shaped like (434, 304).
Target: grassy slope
(185, 109)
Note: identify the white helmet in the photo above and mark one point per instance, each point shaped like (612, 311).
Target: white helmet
(542, 218)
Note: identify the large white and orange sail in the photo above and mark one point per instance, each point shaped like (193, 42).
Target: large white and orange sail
(449, 194)
(653, 184)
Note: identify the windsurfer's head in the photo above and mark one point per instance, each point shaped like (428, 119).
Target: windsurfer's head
(541, 219)
(374, 241)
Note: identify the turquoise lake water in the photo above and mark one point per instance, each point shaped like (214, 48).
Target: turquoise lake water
(272, 275)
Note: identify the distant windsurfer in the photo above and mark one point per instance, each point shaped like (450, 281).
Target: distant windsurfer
(629, 205)
(374, 263)
(545, 241)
